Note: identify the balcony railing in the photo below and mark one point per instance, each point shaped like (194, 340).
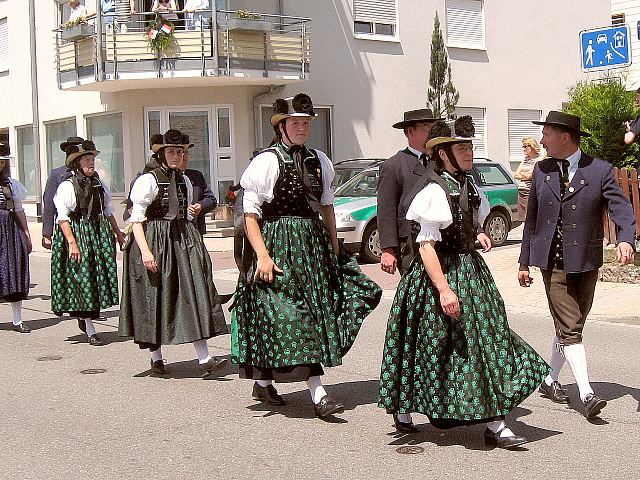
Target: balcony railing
(262, 49)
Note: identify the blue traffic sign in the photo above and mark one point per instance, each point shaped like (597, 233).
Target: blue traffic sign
(603, 48)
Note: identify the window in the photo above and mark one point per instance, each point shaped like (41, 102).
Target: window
(520, 126)
(490, 175)
(375, 18)
(26, 159)
(363, 185)
(56, 133)
(465, 23)
(4, 45)
(320, 136)
(106, 133)
(617, 19)
(477, 115)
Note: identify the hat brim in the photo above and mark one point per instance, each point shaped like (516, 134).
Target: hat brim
(188, 146)
(6, 157)
(69, 161)
(278, 117)
(434, 142)
(157, 147)
(407, 123)
(563, 126)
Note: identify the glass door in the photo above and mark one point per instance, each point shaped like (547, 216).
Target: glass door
(196, 125)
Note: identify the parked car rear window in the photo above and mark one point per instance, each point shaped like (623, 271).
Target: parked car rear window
(364, 185)
(492, 175)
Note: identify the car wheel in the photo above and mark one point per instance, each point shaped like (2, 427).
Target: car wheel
(371, 251)
(496, 226)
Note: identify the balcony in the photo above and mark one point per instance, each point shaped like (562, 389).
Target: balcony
(261, 50)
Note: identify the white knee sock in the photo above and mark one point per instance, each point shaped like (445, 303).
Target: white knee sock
(264, 383)
(156, 354)
(16, 308)
(499, 426)
(577, 358)
(557, 361)
(88, 325)
(316, 389)
(202, 351)
(404, 417)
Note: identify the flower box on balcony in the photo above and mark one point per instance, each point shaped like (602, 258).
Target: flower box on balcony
(248, 24)
(77, 32)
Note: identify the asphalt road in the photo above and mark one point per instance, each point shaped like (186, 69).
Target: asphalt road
(71, 411)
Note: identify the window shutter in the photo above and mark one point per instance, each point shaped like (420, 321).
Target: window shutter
(465, 23)
(477, 115)
(4, 45)
(520, 126)
(375, 11)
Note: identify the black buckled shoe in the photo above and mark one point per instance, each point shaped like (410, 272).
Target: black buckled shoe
(593, 405)
(158, 368)
(404, 427)
(21, 328)
(214, 364)
(327, 406)
(495, 440)
(554, 392)
(95, 341)
(267, 394)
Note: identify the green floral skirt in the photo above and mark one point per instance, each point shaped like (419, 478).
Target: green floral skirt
(455, 370)
(311, 313)
(92, 284)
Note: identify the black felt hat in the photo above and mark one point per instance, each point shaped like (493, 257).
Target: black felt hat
(565, 121)
(415, 116)
(298, 106)
(71, 141)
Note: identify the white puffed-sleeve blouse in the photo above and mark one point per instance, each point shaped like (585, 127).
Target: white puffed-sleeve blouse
(18, 192)
(431, 210)
(260, 177)
(65, 200)
(144, 191)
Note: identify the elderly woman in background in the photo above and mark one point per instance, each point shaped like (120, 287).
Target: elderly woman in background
(524, 173)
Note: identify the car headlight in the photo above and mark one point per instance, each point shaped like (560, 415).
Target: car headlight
(344, 217)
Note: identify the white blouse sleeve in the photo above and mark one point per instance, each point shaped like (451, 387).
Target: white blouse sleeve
(19, 194)
(431, 210)
(108, 209)
(189, 195)
(65, 200)
(328, 173)
(143, 192)
(484, 209)
(258, 181)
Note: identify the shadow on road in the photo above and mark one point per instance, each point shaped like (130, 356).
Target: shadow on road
(470, 437)
(607, 391)
(189, 369)
(35, 324)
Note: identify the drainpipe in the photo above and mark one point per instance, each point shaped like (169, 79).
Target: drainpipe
(35, 112)
(257, 128)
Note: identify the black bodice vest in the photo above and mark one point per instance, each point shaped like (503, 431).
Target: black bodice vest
(298, 179)
(6, 194)
(159, 209)
(89, 196)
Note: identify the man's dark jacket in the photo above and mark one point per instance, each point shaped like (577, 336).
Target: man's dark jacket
(591, 192)
(203, 195)
(398, 175)
(56, 177)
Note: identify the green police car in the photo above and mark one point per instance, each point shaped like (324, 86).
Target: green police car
(356, 207)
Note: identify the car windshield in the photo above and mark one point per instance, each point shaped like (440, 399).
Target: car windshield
(362, 185)
(342, 175)
(491, 175)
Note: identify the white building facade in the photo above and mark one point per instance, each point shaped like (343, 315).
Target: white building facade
(364, 62)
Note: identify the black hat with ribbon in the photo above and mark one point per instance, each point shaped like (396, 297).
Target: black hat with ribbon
(564, 121)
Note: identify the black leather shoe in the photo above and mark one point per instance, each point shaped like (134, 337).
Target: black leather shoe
(495, 440)
(22, 328)
(554, 392)
(593, 405)
(404, 427)
(267, 394)
(95, 341)
(327, 406)
(158, 368)
(214, 364)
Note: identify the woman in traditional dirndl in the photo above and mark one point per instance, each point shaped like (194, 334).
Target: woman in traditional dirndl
(168, 294)
(15, 242)
(84, 276)
(449, 352)
(301, 305)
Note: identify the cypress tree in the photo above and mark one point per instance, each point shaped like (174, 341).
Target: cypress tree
(442, 96)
